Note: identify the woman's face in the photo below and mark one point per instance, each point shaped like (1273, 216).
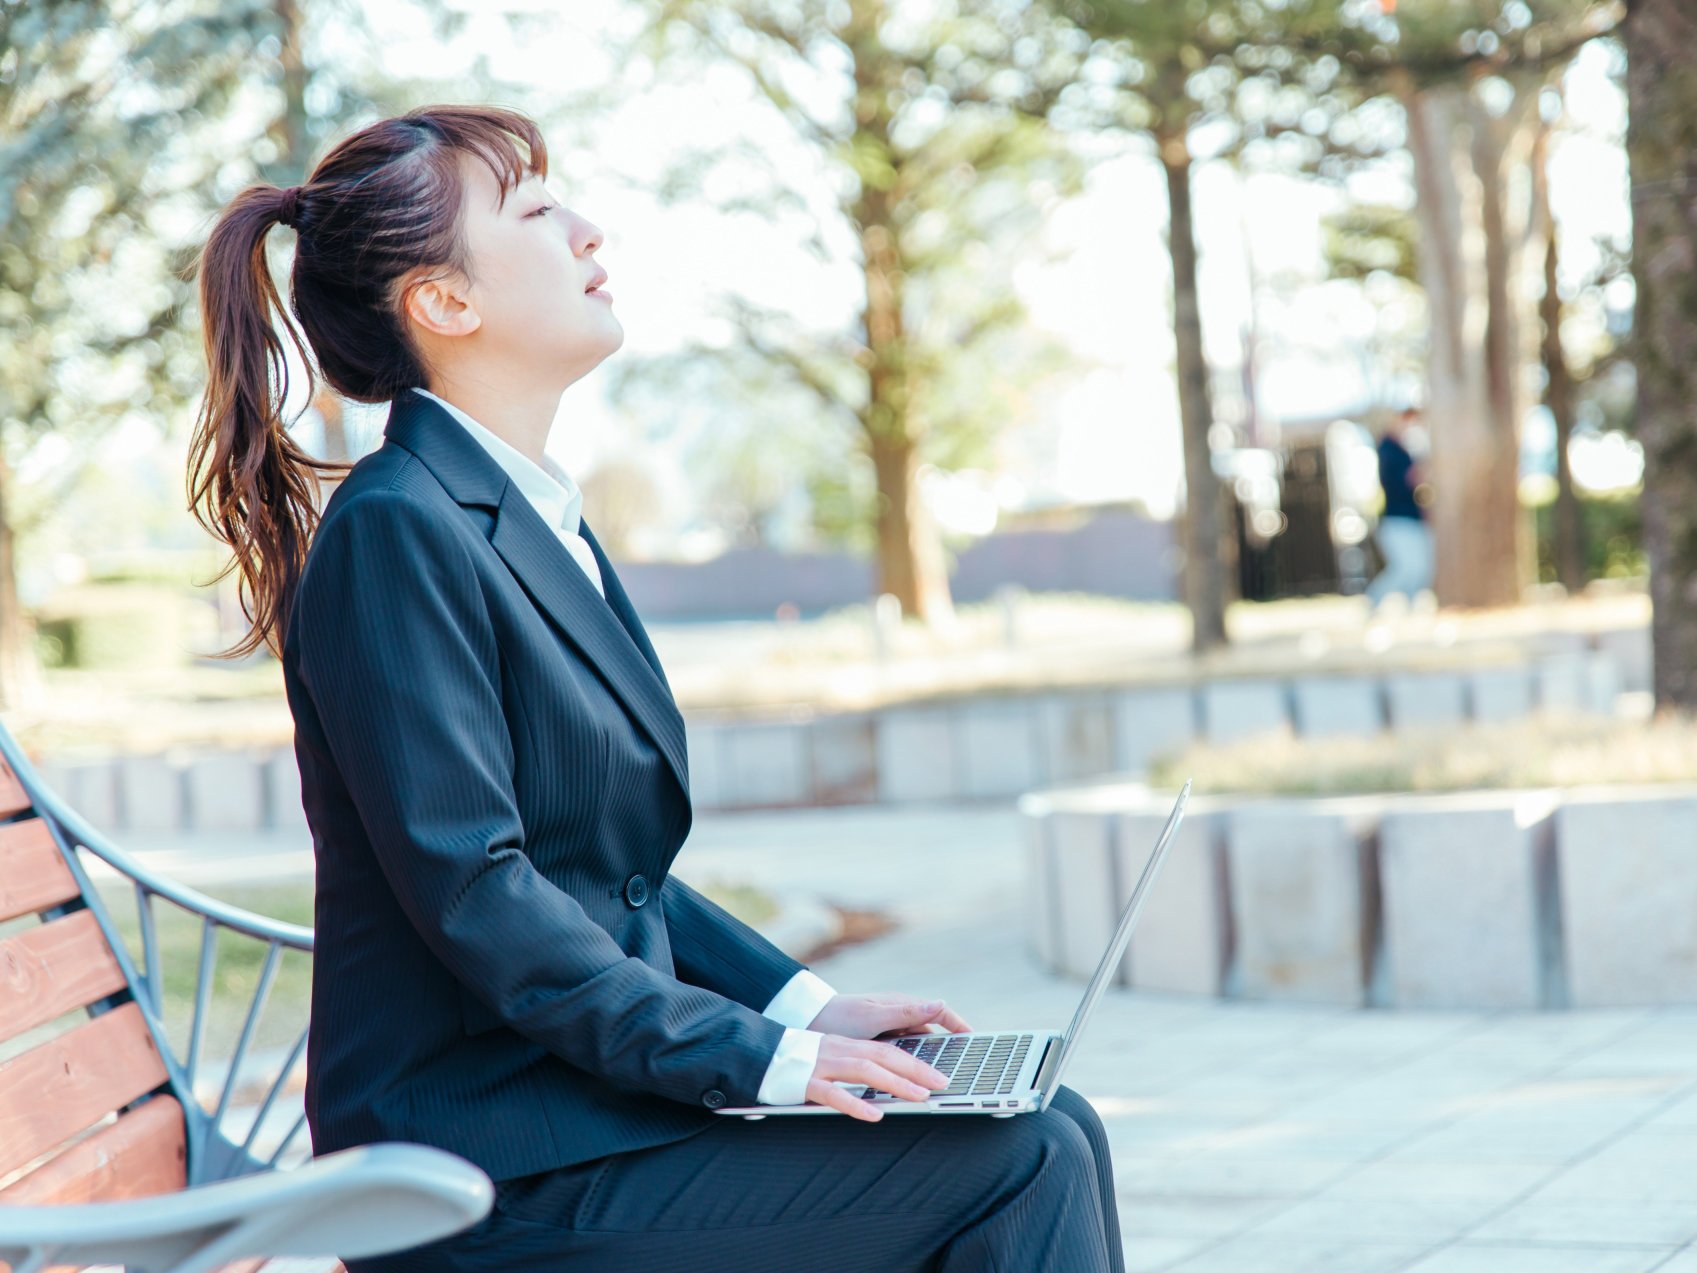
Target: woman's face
(534, 281)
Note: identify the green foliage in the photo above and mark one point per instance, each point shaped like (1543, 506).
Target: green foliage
(930, 119)
(1367, 238)
(107, 116)
(1611, 530)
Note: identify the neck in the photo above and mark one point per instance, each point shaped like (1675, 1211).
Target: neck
(518, 417)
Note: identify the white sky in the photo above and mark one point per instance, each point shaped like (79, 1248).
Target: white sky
(1113, 434)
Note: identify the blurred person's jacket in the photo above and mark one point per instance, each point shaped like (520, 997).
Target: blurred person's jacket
(1396, 476)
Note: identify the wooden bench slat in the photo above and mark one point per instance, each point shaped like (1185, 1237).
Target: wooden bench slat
(33, 874)
(57, 968)
(60, 1087)
(141, 1154)
(13, 797)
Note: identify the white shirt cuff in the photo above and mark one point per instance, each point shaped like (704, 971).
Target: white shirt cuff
(799, 1001)
(791, 1068)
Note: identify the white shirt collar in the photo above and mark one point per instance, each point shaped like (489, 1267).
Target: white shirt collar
(553, 494)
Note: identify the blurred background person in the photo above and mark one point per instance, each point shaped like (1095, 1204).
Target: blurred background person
(1404, 538)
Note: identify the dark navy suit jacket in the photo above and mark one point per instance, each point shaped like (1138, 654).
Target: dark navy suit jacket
(494, 772)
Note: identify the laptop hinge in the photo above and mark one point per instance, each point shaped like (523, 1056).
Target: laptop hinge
(1046, 1066)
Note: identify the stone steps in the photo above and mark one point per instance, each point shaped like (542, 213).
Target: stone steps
(1478, 900)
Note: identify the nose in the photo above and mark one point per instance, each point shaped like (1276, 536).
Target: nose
(589, 235)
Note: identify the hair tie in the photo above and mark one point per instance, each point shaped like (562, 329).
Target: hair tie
(288, 208)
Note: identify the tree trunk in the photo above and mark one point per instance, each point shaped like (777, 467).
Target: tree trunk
(1205, 548)
(288, 132)
(1472, 251)
(1660, 37)
(910, 554)
(329, 408)
(1567, 545)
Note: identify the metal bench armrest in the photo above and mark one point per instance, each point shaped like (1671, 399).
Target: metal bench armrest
(359, 1202)
(78, 830)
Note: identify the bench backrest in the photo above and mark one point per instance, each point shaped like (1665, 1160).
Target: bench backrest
(94, 1103)
(86, 1113)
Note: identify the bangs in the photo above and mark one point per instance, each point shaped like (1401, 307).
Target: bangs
(504, 141)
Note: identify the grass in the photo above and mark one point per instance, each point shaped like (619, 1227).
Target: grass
(236, 973)
(1546, 751)
(746, 902)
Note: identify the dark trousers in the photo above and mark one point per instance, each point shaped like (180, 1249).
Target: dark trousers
(954, 1194)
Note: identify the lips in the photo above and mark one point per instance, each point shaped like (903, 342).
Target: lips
(595, 283)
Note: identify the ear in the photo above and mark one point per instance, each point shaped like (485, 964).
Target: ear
(441, 305)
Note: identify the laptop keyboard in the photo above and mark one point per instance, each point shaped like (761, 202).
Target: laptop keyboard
(974, 1064)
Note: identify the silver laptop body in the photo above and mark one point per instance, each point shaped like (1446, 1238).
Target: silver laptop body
(1011, 1072)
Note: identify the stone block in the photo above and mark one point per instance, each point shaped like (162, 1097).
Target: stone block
(764, 764)
(845, 760)
(1631, 650)
(1183, 940)
(1242, 709)
(701, 743)
(283, 788)
(1563, 682)
(1604, 681)
(1077, 732)
(1299, 898)
(1461, 879)
(1628, 872)
(996, 747)
(1151, 722)
(226, 791)
(54, 775)
(86, 784)
(1042, 923)
(1500, 693)
(1425, 698)
(1083, 868)
(150, 793)
(1327, 705)
(916, 754)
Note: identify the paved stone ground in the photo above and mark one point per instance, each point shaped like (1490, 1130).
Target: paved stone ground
(1265, 1139)
(1252, 1138)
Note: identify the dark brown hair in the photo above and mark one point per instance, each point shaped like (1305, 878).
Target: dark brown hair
(378, 213)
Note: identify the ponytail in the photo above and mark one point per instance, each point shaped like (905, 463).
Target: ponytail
(250, 483)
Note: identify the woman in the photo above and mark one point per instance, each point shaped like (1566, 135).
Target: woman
(495, 776)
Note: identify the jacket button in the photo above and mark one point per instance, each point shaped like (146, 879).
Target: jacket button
(713, 1098)
(636, 891)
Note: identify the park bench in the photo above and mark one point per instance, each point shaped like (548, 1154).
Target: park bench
(107, 1156)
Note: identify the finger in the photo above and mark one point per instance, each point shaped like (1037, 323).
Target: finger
(821, 1092)
(910, 1068)
(935, 1012)
(952, 1021)
(885, 1069)
(904, 1015)
(902, 1076)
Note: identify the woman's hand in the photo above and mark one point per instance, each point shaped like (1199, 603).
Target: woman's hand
(851, 1053)
(870, 1016)
(880, 1066)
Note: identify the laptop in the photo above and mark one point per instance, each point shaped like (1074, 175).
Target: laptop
(1013, 1072)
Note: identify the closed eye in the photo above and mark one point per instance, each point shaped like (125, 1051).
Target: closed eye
(544, 210)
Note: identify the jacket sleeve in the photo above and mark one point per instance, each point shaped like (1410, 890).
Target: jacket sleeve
(714, 949)
(399, 659)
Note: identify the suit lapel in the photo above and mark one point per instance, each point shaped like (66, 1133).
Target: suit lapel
(560, 589)
(606, 633)
(619, 601)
